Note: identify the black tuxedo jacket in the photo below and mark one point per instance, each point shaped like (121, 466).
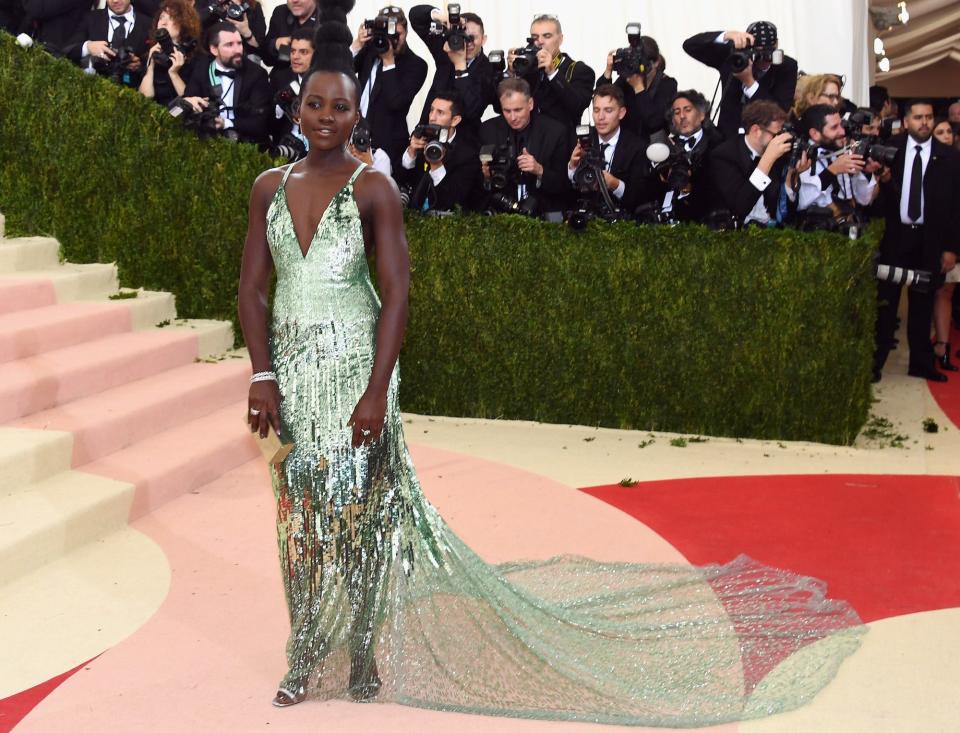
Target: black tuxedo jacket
(647, 112)
(94, 28)
(477, 88)
(252, 101)
(730, 166)
(564, 98)
(547, 141)
(282, 23)
(777, 85)
(53, 22)
(390, 98)
(941, 202)
(630, 165)
(697, 204)
(459, 186)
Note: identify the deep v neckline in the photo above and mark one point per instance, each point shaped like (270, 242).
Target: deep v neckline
(323, 216)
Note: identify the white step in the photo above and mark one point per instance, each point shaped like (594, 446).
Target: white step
(29, 253)
(95, 281)
(30, 456)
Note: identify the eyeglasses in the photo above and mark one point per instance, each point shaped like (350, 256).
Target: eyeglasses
(833, 97)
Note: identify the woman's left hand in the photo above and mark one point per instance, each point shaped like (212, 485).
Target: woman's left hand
(368, 417)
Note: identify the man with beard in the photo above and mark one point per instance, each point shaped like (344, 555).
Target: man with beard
(761, 79)
(695, 136)
(921, 199)
(238, 87)
(833, 179)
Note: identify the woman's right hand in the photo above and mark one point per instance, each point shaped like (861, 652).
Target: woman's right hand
(264, 400)
(177, 61)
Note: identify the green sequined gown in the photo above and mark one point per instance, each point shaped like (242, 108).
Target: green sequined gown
(384, 597)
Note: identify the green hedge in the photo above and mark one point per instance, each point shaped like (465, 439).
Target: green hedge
(761, 334)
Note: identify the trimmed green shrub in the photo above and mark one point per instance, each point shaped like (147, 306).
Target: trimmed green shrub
(764, 333)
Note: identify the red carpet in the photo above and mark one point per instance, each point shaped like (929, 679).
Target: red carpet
(890, 545)
(13, 709)
(947, 394)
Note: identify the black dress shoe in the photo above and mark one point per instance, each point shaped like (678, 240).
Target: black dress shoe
(927, 372)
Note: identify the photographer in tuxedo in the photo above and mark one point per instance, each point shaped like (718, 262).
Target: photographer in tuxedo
(843, 181)
(686, 197)
(452, 180)
(390, 78)
(647, 95)
(746, 170)
(761, 78)
(921, 197)
(54, 23)
(238, 86)
(285, 84)
(562, 88)
(284, 20)
(535, 149)
(466, 70)
(623, 152)
(101, 41)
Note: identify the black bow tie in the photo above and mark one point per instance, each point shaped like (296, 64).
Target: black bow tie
(118, 19)
(229, 74)
(689, 142)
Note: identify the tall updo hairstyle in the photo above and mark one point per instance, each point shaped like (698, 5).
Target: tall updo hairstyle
(331, 42)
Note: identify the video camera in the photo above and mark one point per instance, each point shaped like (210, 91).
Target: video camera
(864, 144)
(383, 33)
(163, 59)
(455, 34)
(437, 138)
(631, 60)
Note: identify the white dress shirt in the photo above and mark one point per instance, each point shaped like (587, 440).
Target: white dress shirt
(925, 151)
(368, 87)
(812, 193)
(227, 85)
(760, 181)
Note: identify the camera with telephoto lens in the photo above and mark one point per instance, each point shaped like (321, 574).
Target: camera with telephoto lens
(362, 138)
(436, 136)
(383, 33)
(741, 58)
(871, 147)
(589, 172)
(290, 147)
(204, 122)
(163, 59)
(501, 161)
(673, 162)
(919, 280)
(501, 203)
(525, 59)
(116, 68)
(799, 145)
(652, 213)
(631, 60)
(222, 10)
(454, 33)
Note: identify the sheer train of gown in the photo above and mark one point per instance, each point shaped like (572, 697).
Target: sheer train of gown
(385, 600)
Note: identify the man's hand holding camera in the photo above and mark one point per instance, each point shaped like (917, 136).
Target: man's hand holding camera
(528, 164)
(100, 50)
(849, 163)
(781, 144)
(199, 104)
(636, 81)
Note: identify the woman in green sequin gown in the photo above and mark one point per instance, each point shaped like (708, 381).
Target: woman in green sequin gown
(385, 601)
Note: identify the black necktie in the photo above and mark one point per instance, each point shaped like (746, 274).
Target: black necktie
(119, 33)
(603, 155)
(915, 203)
(229, 74)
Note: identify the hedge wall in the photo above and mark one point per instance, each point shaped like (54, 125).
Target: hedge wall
(761, 334)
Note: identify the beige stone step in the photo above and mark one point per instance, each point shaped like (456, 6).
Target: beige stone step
(29, 253)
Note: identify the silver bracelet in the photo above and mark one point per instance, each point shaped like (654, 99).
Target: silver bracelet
(263, 377)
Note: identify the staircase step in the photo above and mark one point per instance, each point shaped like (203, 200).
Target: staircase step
(59, 377)
(118, 418)
(21, 295)
(181, 459)
(57, 515)
(28, 253)
(30, 456)
(71, 281)
(37, 331)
